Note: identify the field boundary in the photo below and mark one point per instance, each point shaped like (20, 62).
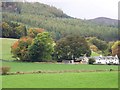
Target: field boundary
(62, 71)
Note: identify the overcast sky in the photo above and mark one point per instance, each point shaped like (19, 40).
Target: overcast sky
(87, 9)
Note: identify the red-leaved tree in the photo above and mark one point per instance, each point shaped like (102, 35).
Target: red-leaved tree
(20, 48)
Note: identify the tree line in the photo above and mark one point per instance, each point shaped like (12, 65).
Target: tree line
(42, 47)
(18, 30)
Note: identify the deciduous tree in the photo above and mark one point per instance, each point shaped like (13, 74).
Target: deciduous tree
(42, 47)
(32, 32)
(20, 48)
(116, 49)
(100, 44)
(72, 47)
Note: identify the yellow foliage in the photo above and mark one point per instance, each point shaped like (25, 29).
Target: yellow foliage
(93, 48)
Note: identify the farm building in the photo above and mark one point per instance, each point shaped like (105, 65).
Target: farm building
(68, 61)
(82, 60)
(98, 60)
(106, 60)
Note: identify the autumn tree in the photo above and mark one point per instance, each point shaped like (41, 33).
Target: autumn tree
(41, 48)
(100, 44)
(32, 32)
(72, 47)
(108, 51)
(13, 30)
(93, 48)
(116, 49)
(20, 48)
(19, 31)
(6, 29)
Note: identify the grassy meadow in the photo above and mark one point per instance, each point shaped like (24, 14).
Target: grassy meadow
(60, 80)
(6, 48)
(63, 80)
(55, 80)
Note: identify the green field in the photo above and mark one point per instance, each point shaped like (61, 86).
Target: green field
(60, 80)
(64, 80)
(20, 66)
(6, 48)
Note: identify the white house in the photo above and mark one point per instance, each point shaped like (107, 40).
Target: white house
(106, 60)
(98, 60)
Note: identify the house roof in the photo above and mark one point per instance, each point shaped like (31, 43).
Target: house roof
(105, 57)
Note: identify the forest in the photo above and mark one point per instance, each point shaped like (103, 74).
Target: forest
(55, 21)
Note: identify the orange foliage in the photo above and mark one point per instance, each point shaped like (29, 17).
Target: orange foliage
(39, 30)
(25, 39)
(20, 48)
(32, 32)
(15, 45)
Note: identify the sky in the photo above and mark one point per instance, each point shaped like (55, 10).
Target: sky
(85, 9)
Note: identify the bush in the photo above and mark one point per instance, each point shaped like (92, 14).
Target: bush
(91, 61)
(5, 70)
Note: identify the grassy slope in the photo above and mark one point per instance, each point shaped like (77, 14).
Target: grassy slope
(66, 80)
(15, 66)
(6, 48)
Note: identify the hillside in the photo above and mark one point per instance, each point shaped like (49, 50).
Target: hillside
(33, 8)
(105, 21)
(55, 21)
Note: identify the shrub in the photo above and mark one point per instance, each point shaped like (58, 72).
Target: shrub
(91, 61)
(5, 70)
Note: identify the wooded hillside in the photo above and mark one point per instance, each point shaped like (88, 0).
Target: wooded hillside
(55, 21)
